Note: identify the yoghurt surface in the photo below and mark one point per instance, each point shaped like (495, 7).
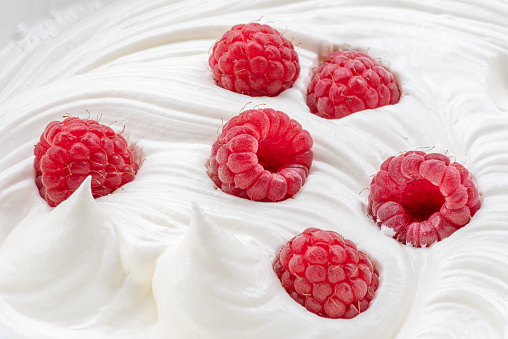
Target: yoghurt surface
(169, 255)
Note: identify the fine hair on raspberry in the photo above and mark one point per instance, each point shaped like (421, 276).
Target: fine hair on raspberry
(327, 274)
(262, 155)
(350, 81)
(422, 197)
(71, 150)
(255, 60)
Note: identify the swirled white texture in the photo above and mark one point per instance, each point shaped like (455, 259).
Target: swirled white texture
(168, 255)
(250, 295)
(71, 269)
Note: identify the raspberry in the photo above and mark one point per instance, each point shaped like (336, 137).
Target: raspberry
(348, 82)
(327, 274)
(255, 60)
(422, 197)
(71, 150)
(262, 155)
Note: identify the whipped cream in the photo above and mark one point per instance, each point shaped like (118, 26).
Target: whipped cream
(170, 256)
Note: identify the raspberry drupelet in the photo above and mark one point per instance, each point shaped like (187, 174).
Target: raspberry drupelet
(348, 82)
(71, 150)
(262, 155)
(422, 197)
(255, 60)
(327, 274)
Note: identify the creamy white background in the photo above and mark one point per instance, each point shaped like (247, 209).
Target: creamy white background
(168, 256)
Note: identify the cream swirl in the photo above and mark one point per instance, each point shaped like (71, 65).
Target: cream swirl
(170, 256)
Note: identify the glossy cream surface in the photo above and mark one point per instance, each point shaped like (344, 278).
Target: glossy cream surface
(170, 256)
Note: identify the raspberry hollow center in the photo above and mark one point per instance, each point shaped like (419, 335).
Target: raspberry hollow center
(261, 155)
(268, 157)
(421, 199)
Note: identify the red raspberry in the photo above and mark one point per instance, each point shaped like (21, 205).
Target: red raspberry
(327, 274)
(71, 150)
(262, 155)
(255, 60)
(348, 82)
(422, 197)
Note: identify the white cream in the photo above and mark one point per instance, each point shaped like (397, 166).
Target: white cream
(169, 256)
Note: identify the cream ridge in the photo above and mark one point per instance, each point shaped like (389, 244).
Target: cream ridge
(170, 256)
